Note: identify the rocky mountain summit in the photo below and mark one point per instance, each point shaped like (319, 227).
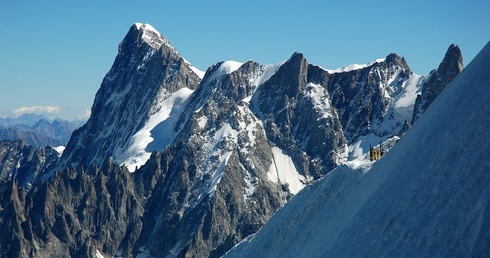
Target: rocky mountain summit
(451, 65)
(147, 69)
(174, 162)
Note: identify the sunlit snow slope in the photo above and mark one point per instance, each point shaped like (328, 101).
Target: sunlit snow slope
(429, 196)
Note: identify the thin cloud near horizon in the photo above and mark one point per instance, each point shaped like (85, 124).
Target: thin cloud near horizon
(85, 115)
(37, 110)
(50, 112)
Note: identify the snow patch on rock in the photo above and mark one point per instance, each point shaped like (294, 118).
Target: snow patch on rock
(355, 66)
(158, 131)
(283, 171)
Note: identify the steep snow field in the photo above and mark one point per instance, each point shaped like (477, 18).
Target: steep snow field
(429, 196)
(158, 131)
(282, 170)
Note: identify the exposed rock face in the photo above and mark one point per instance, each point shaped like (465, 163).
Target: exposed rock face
(451, 65)
(429, 196)
(199, 206)
(299, 118)
(363, 97)
(73, 216)
(229, 154)
(21, 164)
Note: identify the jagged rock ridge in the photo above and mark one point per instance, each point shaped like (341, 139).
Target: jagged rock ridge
(21, 164)
(429, 196)
(451, 65)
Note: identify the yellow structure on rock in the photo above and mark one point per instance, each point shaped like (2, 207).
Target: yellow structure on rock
(375, 154)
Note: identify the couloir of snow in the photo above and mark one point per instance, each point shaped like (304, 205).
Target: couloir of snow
(194, 69)
(319, 97)
(59, 149)
(157, 133)
(98, 254)
(429, 196)
(404, 101)
(228, 67)
(283, 171)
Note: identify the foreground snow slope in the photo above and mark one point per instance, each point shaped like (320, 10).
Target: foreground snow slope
(429, 196)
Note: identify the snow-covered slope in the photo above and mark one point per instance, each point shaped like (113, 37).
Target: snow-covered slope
(429, 196)
(352, 67)
(156, 133)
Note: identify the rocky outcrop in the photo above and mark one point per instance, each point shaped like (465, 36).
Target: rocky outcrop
(451, 65)
(75, 215)
(215, 190)
(299, 118)
(364, 97)
(21, 164)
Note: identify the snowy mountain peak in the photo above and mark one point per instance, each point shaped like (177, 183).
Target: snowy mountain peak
(391, 59)
(228, 67)
(150, 35)
(221, 68)
(353, 67)
(146, 26)
(147, 79)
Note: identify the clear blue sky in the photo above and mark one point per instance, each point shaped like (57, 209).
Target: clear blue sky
(55, 53)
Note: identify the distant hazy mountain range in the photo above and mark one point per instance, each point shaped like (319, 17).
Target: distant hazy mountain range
(37, 130)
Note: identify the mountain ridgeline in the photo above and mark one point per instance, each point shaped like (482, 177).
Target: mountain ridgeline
(428, 197)
(37, 130)
(174, 162)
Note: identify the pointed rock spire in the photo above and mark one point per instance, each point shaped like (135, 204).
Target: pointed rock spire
(451, 65)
